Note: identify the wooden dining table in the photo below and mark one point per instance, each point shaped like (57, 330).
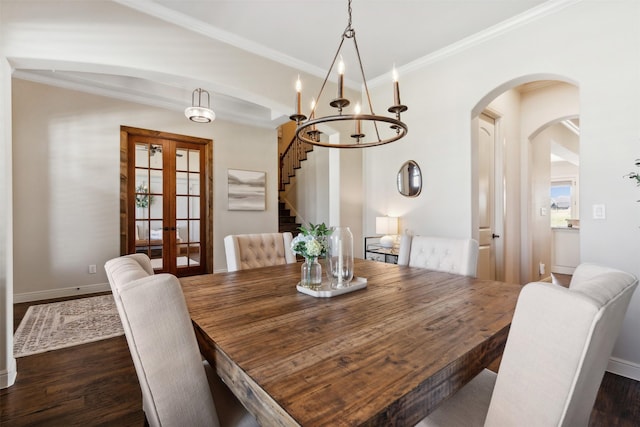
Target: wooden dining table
(384, 355)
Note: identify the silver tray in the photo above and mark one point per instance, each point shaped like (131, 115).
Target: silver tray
(326, 291)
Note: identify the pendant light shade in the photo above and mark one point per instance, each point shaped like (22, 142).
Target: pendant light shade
(200, 113)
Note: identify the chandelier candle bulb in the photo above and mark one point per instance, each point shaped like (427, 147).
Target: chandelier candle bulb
(340, 77)
(298, 93)
(357, 121)
(396, 88)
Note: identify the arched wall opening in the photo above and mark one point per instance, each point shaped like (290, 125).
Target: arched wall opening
(520, 109)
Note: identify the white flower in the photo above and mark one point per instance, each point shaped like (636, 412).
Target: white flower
(314, 248)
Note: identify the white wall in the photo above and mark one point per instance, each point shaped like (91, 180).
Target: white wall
(603, 61)
(309, 190)
(540, 174)
(66, 182)
(7, 361)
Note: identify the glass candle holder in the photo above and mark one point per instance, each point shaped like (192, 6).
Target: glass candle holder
(340, 257)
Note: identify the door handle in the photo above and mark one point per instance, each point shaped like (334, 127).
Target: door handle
(495, 236)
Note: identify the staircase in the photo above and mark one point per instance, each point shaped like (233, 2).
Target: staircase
(286, 221)
(290, 161)
(293, 155)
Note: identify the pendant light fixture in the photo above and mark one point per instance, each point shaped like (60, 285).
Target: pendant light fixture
(199, 113)
(368, 129)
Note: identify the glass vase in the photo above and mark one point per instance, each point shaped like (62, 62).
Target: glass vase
(340, 257)
(311, 273)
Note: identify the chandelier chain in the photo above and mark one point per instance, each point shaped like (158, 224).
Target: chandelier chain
(348, 32)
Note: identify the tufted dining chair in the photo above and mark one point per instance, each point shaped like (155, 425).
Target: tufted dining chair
(459, 256)
(245, 251)
(180, 389)
(557, 351)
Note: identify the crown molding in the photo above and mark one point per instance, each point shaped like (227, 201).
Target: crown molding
(156, 10)
(548, 8)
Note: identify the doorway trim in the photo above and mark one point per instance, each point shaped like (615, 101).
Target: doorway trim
(125, 133)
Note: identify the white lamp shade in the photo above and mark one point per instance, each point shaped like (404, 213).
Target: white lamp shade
(386, 225)
(200, 114)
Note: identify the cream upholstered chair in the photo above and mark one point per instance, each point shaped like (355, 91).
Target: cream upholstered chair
(459, 256)
(121, 271)
(245, 251)
(137, 269)
(557, 351)
(171, 368)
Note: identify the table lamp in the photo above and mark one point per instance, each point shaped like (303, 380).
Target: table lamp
(388, 227)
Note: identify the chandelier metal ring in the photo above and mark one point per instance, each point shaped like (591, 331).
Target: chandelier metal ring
(307, 129)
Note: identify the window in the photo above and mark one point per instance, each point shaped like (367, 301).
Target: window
(561, 203)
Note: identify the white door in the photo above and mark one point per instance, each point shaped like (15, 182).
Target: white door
(486, 198)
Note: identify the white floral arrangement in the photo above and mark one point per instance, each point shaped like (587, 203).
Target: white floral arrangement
(311, 242)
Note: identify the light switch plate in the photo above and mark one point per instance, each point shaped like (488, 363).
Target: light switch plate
(599, 212)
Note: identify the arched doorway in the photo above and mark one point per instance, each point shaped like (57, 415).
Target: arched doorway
(519, 109)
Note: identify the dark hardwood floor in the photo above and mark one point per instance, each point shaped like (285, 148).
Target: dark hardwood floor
(95, 385)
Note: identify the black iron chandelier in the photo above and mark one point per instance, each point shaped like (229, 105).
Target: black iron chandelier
(382, 129)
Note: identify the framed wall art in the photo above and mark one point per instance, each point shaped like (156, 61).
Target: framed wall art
(247, 190)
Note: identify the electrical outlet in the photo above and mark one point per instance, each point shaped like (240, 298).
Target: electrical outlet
(92, 269)
(541, 269)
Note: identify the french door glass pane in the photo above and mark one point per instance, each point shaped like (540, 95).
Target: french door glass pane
(194, 207)
(194, 183)
(142, 156)
(155, 156)
(156, 207)
(156, 181)
(182, 183)
(182, 207)
(194, 161)
(182, 159)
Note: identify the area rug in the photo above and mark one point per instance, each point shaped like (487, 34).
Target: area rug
(57, 325)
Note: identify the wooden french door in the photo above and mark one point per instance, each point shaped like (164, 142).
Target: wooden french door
(167, 201)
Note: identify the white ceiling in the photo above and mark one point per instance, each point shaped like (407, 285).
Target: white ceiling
(305, 34)
(309, 31)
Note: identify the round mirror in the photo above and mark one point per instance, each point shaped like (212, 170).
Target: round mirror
(410, 179)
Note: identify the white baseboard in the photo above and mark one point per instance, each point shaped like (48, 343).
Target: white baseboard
(61, 293)
(8, 376)
(624, 368)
